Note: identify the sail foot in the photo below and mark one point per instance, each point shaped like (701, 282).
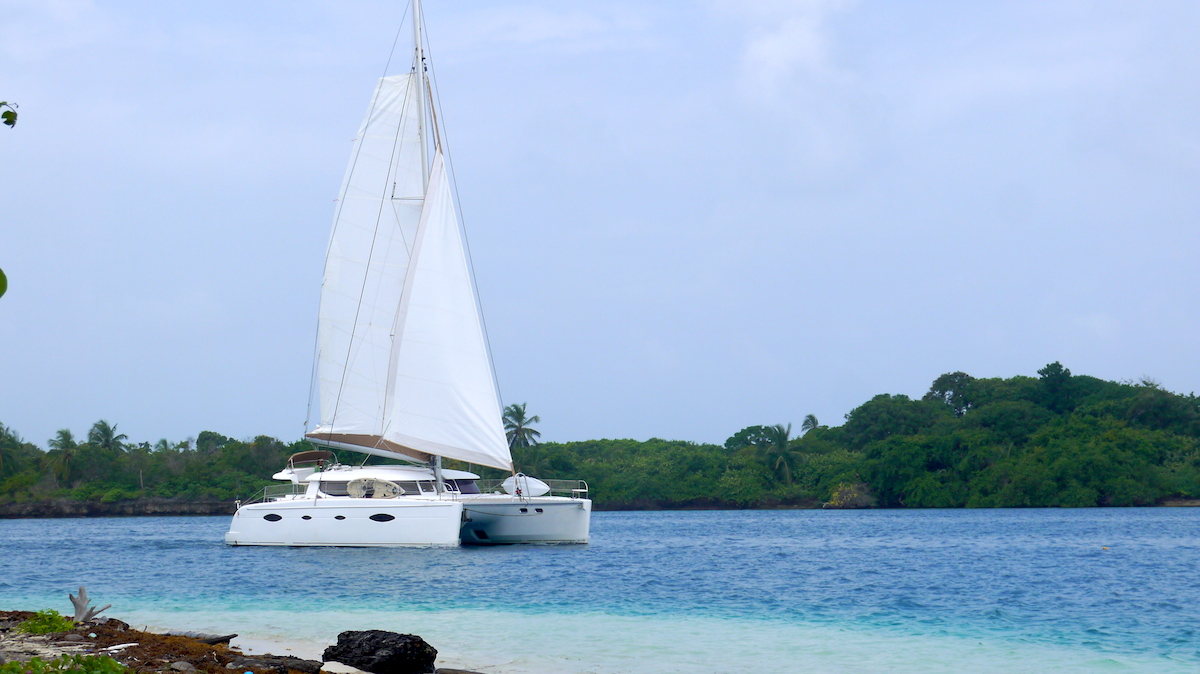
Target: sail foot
(367, 444)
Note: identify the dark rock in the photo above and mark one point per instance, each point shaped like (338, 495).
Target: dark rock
(182, 666)
(280, 663)
(383, 652)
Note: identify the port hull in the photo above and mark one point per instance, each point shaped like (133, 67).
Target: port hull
(348, 522)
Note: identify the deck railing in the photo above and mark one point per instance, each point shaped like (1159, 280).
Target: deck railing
(568, 488)
(273, 492)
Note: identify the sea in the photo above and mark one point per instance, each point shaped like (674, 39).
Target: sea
(1087, 590)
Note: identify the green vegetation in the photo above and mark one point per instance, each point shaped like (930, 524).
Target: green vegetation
(518, 428)
(46, 622)
(9, 116)
(108, 468)
(1053, 440)
(66, 664)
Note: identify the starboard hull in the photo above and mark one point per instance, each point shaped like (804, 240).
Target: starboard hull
(491, 520)
(348, 523)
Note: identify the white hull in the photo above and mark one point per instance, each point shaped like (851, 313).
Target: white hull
(321, 511)
(348, 522)
(499, 520)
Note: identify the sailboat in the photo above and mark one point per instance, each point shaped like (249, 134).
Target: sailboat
(403, 368)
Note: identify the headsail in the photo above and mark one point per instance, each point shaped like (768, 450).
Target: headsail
(443, 399)
(373, 232)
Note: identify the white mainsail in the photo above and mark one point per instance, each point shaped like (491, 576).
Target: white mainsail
(366, 262)
(402, 363)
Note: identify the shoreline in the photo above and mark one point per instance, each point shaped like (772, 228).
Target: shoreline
(67, 509)
(142, 651)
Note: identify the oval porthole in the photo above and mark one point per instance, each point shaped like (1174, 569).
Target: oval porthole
(524, 510)
(306, 517)
(272, 517)
(537, 510)
(339, 517)
(383, 517)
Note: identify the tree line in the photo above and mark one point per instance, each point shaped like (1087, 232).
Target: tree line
(1055, 440)
(105, 466)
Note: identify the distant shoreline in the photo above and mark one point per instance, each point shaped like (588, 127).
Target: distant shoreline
(159, 507)
(67, 508)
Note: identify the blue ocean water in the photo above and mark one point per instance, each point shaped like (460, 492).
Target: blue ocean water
(713, 591)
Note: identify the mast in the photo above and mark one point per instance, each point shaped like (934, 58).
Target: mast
(419, 56)
(419, 61)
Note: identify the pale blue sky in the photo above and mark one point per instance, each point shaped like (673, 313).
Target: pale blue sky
(686, 217)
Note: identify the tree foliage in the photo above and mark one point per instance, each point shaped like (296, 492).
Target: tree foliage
(1058, 440)
(518, 427)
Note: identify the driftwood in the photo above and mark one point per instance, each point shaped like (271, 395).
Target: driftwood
(210, 639)
(83, 612)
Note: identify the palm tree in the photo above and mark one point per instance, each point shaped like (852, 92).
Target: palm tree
(517, 426)
(105, 436)
(62, 452)
(9, 441)
(810, 422)
(778, 454)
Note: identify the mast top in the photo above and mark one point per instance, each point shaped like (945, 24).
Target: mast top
(419, 69)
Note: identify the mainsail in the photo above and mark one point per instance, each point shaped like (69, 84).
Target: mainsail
(402, 364)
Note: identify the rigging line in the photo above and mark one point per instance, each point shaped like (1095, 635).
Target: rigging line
(337, 217)
(462, 216)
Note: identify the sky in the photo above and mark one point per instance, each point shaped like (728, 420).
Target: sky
(685, 217)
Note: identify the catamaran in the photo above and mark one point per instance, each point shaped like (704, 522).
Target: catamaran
(403, 369)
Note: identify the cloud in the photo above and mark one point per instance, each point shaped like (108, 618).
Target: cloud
(573, 30)
(788, 43)
(33, 30)
(1016, 71)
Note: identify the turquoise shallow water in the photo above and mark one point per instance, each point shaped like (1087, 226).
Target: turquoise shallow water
(723, 591)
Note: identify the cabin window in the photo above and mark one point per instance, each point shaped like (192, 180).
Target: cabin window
(334, 488)
(409, 487)
(306, 517)
(339, 517)
(272, 517)
(537, 510)
(383, 517)
(427, 487)
(524, 510)
(466, 486)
